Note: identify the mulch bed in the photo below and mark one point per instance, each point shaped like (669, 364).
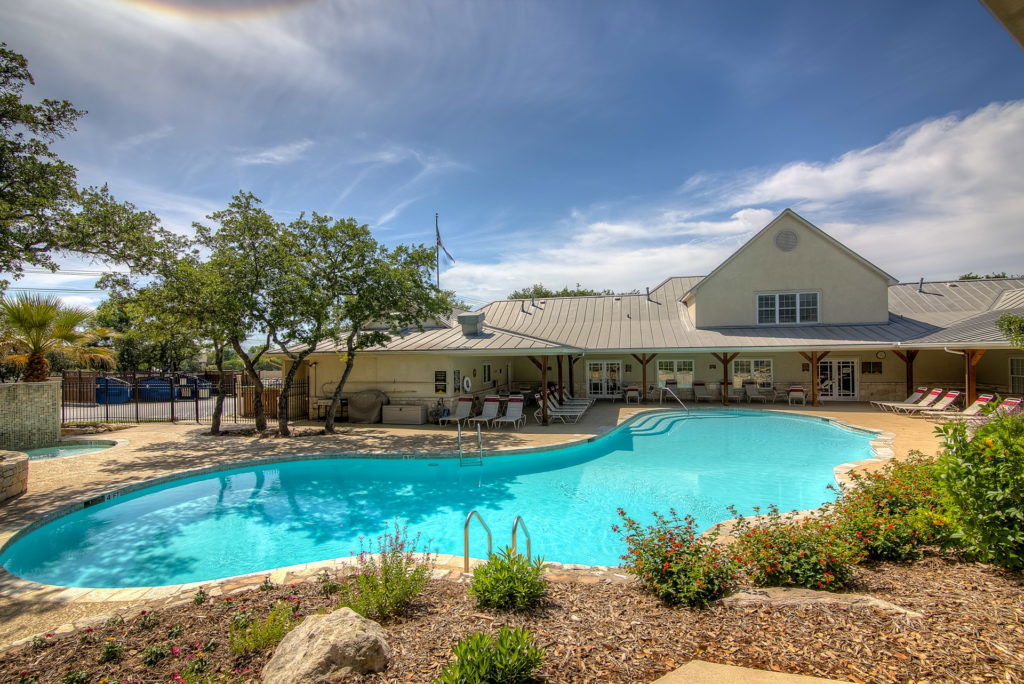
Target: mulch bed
(972, 630)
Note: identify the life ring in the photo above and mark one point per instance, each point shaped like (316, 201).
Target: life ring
(467, 384)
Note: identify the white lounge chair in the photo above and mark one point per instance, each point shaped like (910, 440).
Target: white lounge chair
(754, 392)
(1007, 406)
(513, 412)
(974, 409)
(913, 398)
(941, 405)
(736, 393)
(489, 411)
(796, 393)
(564, 414)
(633, 395)
(925, 402)
(701, 392)
(463, 409)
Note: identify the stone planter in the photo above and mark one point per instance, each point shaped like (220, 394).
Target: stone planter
(13, 474)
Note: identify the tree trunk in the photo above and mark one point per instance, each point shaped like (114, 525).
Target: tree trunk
(37, 369)
(254, 375)
(350, 359)
(218, 404)
(286, 386)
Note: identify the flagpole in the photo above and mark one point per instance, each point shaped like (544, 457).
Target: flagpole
(437, 251)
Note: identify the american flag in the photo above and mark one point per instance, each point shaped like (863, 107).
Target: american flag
(440, 244)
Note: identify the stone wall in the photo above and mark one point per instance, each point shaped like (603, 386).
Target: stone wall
(13, 474)
(29, 415)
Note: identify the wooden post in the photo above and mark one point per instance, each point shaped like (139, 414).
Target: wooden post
(544, 390)
(908, 359)
(813, 358)
(644, 360)
(971, 359)
(725, 358)
(572, 382)
(561, 387)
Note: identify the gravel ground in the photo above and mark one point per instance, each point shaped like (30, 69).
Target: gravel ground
(972, 630)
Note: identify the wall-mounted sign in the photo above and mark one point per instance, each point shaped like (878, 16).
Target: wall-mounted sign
(456, 379)
(440, 382)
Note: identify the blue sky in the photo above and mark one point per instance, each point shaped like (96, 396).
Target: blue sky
(612, 144)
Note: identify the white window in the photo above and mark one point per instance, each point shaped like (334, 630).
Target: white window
(487, 372)
(680, 370)
(758, 370)
(787, 308)
(1017, 376)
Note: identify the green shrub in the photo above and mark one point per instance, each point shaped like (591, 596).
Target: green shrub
(326, 584)
(784, 551)
(201, 597)
(75, 677)
(983, 477)
(674, 563)
(480, 659)
(148, 619)
(893, 512)
(263, 633)
(154, 653)
(389, 579)
(112, 652)
(509, 581)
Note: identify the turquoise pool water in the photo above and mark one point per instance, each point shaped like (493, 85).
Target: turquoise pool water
(65, 449)
(256, 518)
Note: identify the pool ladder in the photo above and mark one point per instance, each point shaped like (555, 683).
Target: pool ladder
(516, 524)
(676, 397)
(471, 460)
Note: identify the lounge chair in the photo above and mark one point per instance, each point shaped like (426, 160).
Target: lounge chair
(736, 393)
(573, 401)
(925, 402)
(1007, 406)
(941, 405)
(555, 411)
(463, 409)
(489, 411)
(632, 395)
(701, 392)
(754, 392)
(796, 393)
(513, 412)
(913, 398)
(974, 409)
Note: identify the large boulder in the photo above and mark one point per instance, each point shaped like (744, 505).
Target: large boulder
(326, 646)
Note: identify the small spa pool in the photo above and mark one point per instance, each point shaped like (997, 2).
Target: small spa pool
(64, 449)
(260, 517)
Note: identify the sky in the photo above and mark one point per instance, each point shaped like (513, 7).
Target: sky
(604, 143)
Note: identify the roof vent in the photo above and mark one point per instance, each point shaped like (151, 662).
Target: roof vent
(786, 240)
(472, 323)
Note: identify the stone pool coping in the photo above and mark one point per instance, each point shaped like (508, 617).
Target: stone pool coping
(14, 587)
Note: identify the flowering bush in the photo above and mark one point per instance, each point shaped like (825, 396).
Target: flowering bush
(893, 512)
(785, 551)
(983, 476)
(258, 635)
(673, 562)
(389, 579)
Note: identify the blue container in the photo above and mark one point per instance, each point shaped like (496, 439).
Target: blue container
(155, 389)
(188, 388)
(112, 391)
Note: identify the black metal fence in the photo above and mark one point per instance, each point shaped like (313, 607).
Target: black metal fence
(91, 397)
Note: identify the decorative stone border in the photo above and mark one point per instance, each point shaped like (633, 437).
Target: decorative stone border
(27, 590)
(13, 474)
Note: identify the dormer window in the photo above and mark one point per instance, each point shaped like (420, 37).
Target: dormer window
(787, 308)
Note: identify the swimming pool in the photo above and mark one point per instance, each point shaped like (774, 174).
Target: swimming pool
(65, 449)
(261, 517)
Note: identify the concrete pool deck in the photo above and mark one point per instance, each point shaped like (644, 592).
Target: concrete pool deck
(155, 450)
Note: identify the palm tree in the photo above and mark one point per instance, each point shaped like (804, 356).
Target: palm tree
(32, 326)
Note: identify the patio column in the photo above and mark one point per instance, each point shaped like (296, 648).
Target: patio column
(644, 360)
(725, 358)
(572, 382)
(908, 359)
(544, 390)
(561, 387)
(814, 357)
(971, 359)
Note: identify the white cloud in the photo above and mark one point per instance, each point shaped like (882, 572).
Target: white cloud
(394, 211)
(145, 137)
(936, 199)
(279, 154)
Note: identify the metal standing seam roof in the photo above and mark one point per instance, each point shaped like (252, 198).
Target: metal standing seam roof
(935, 313)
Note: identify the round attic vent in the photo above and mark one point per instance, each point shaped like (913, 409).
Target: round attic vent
(786, 240)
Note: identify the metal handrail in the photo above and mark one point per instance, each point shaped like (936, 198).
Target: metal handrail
(480, 443)
(676, 397)
(458, 427)
(465, 539)
(515, 528)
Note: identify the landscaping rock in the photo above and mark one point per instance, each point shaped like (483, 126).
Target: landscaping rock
(794, 596)
(325, 646)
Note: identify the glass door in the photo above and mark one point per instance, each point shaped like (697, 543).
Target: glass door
(837, 379)
(604, 379)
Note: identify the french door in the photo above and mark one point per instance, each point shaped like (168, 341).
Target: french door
(604, 379)
(837, 379)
